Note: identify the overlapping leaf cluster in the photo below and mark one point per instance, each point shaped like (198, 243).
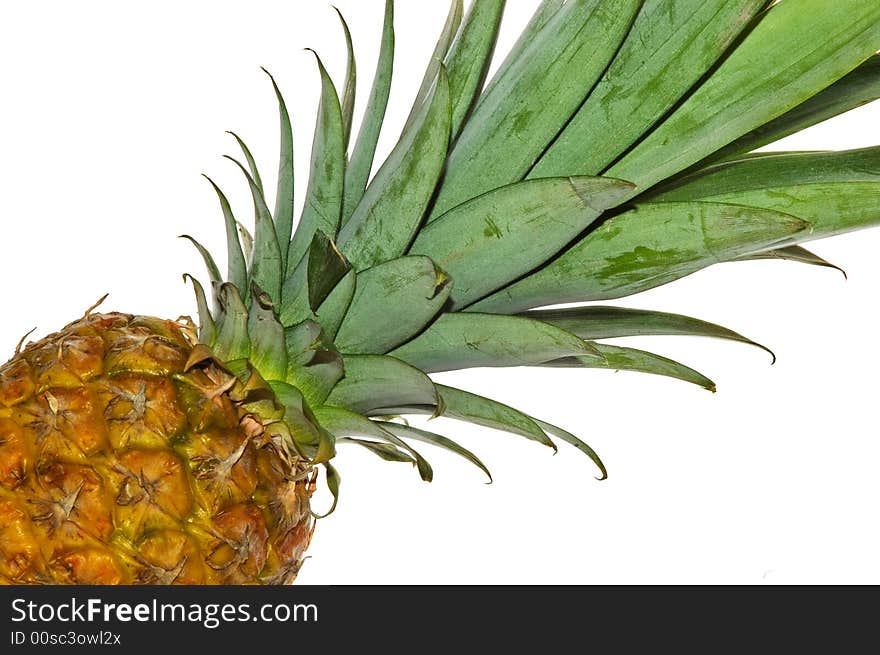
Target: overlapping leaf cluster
(609, 154)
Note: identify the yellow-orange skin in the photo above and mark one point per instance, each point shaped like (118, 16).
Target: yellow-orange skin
(121, 465)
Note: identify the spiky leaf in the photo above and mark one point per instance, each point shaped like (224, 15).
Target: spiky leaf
(283, 213)
(471, 408)
(858, 88)
(571, 439)
(409, 432)
(361, 162)
(349, 91)
(618, 358)
(375, 381)
(794, 254)
(207, 328)
(514, 121)
(392, 303)
(344, 422)
(323, 203)
(470, 340)
(444, 41)
(599, 322)
(233, 341)
(468, 59)
(236, 272)
(387, 217)
(268, 352)
(309, 435)
(670, 46)
(313, 364)
(480, 243)
(266, 264)
(780, 64)
(332, 311)
(645, 247)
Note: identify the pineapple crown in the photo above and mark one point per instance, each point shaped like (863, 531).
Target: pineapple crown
(497, 201)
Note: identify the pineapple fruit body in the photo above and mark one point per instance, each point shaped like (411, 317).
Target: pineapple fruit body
(123, 462)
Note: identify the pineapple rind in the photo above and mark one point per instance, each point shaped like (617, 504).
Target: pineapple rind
(126, 456)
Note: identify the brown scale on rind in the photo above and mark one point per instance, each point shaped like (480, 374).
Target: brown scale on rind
(120, 465)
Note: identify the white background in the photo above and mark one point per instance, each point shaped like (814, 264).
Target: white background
(109, 111)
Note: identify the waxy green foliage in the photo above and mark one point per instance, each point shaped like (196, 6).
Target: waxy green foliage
(611, 152)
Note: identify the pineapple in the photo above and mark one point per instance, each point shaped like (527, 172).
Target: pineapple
(610, 153)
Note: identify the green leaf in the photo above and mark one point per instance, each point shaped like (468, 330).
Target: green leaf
(834, 192)
(470, 340)
(645, 247)
(236, 263)
(392, 303)
(778, 65)
(213, 272)
(388, 216)
(249, 158)
(669, 48)
(326, 266)
(408, 432)
(361, 162)
(350, 88)
(544, 12)
(384, 450)
(207, 328)
(303, 342)
(598, 322)
(569, 438)
(317, 273)
(323, 204)
(470, 55)
(233, 341)
(266, 265)
(858, 88)
(313, 363)
(469, 407)
(375, 381)
(268, 352)
(331, 312)
(794, 254)
(630, 359)
(284, 195)
(295, 306)
(773, 170)
(480, 243)
(343, 422)
(333, 485)
(829, 209)
(515, 121)
(310, 437)
(247, 240)
(444, 41)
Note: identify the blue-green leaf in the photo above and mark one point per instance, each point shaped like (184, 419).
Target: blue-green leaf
(349, 91)
(283, 214)
(236, 262)
(207, 328)
(361, 161)
(393, 302)
(498, 237)
(409, 432)
(266, 264)
(323, 204)
(389, 214)
(521, 114)
(471, 340)
(372, 382)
